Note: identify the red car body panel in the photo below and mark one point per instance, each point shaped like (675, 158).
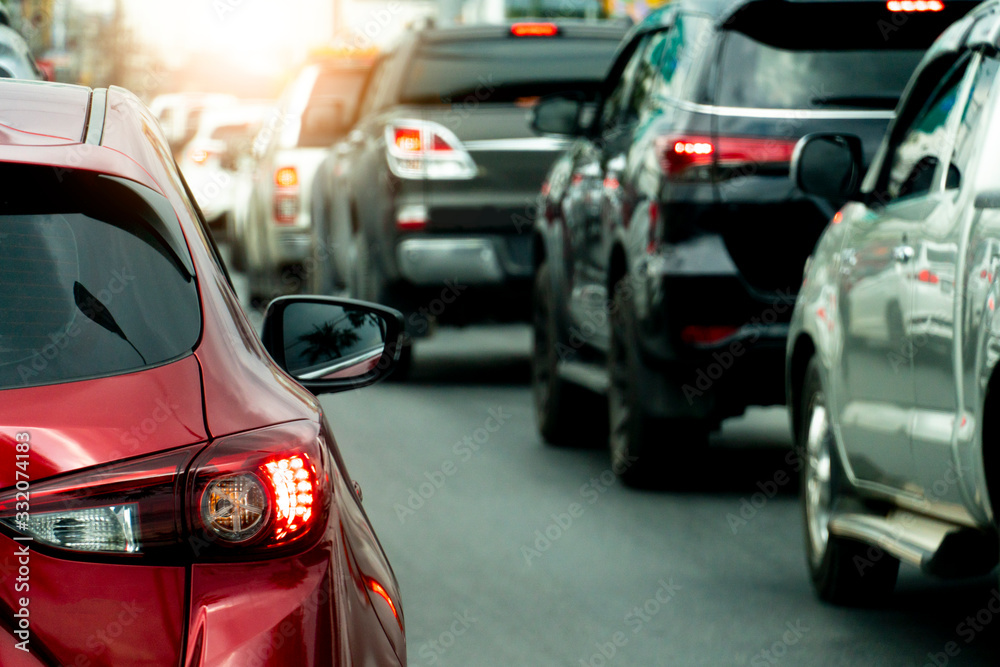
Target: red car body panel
(148, 414)
(96, 614)
(245, 613)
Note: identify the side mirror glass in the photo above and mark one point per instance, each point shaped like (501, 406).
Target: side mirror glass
(828, 166)
(558, 115)
(332, 345)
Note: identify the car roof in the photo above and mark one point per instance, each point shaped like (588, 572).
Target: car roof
(74, 127)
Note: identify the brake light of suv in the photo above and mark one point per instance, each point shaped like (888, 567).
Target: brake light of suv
(286, 195)
(915, 5)
(534, 30)
(418, 149)
(693, 158)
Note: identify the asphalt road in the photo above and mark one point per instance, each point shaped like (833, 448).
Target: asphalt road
(510, 552)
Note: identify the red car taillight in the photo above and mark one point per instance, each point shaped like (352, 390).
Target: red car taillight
(702, 159)
(259, 491)
(126, 509)
(241, 497)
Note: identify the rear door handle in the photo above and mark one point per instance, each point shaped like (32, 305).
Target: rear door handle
(903, 253)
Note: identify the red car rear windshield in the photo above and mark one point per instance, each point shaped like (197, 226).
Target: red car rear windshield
(95, 278)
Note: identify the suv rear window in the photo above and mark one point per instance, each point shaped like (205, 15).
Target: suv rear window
(333, 87)
(504, 70)
(757, 75)
(840, 55)
(95, 278)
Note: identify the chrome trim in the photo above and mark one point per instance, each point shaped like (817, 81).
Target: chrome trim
(428, 261)
(794, 114)
(525, 144)
(342, 364)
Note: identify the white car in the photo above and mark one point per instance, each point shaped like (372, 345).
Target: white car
(179, 114)
(314, 112)
(218, 155)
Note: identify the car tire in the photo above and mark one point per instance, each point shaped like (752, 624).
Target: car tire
(843, 572)
(566, 414)
(646, 451)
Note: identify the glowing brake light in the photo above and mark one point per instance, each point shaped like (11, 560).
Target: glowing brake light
(534, 30)
(286, 177)
(261, 490)
(915, 5)
(407, 139)
(698, 158)
(294, 484)
(926, 276)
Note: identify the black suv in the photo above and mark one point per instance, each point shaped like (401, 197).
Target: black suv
(670, 242)
(428, 203)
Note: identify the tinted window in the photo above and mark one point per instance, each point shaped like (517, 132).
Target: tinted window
(555, 9)
(95, 278)
(617, 99)
(683, 50)
(646, 74)
(505, 70)
(758, 75)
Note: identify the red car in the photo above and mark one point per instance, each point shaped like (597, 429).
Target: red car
(170, 493)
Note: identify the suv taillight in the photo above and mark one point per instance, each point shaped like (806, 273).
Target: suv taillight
(419, 149)
(286, 195)
(703, 159)
(241, 497)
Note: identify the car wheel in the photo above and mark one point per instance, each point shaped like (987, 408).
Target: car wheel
(645, 450)
(843, 572)
(567, 414)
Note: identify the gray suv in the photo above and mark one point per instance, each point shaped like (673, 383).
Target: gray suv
(893, 345)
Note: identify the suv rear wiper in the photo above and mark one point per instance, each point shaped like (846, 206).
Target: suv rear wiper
(859, 101)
